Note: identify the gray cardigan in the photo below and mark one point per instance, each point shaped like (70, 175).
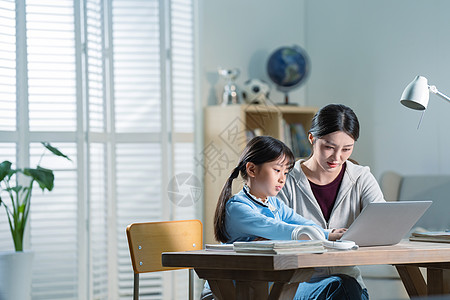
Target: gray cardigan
(358, 188)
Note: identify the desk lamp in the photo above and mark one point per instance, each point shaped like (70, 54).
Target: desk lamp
(416, 94)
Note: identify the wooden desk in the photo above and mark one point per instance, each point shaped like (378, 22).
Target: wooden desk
(252, 272)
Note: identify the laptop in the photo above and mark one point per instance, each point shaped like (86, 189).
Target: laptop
(385, 223)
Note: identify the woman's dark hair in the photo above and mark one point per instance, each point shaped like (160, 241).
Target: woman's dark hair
(332, 118)
(259, 150)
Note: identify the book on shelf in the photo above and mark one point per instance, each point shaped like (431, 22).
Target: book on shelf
(286, 133)
(280, 246)
(251, 133)
(295, 137)
(431, 236)
(300, 138)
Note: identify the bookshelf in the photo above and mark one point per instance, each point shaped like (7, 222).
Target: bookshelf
(226, 132)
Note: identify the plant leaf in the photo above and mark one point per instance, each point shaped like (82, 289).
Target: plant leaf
(5, 168)
(54, 150)
(16, 188)
(43, 176)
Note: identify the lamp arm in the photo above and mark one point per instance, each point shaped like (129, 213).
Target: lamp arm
(434, 90)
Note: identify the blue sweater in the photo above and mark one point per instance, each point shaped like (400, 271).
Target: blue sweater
(246, 219)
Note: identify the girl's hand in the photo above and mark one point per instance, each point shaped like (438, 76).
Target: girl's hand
(336, 234)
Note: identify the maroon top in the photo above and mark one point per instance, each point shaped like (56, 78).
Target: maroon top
(326, 194)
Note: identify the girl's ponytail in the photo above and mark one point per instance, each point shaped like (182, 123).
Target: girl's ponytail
(219, 217)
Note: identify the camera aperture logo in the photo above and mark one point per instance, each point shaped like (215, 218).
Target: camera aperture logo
(184, 189)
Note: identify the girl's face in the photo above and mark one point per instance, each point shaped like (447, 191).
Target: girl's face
(332, 150)
(267, 179)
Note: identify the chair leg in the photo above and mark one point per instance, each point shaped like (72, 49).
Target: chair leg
(191, 284)
(136, 286)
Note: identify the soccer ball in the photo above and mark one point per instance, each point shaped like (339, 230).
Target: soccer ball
(255, 91)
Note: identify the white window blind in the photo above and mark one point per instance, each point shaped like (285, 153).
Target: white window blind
(92, 85)
(52, 100)
(7, 65)
(137, 82)
(98, 221)
(95, 41)
(138, 200)
(97, 158)
(7, 102)
(51, 65)
(182, 40)
(7, 152)
(53, 222)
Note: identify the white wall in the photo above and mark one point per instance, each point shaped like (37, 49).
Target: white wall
(236, 33)
(363, 53)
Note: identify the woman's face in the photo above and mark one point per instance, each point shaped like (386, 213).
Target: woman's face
(332, 150)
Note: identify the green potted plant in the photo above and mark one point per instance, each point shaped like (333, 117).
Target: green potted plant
(17, 185)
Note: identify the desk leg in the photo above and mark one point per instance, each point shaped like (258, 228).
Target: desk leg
(438, 281)
(412, 280)
(447, 281)
(251, 290)
(283, 290)
(222, 289)
(287, 290)
(435, 281)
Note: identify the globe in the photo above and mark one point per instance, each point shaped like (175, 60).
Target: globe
(288, 67)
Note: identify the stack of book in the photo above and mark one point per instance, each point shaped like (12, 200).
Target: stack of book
(280, 246)
(431, 236)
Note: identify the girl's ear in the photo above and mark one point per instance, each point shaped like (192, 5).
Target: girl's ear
(251, 169)
(310, 138)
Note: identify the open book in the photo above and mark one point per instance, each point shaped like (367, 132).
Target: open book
(431, 236)
(280, 246)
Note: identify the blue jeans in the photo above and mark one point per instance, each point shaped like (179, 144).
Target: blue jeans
(339, 286)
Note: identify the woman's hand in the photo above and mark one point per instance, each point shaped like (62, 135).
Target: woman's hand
(336, 234)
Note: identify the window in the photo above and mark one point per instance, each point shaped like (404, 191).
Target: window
(111, 84)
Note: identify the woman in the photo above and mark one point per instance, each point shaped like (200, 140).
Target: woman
(331, 191)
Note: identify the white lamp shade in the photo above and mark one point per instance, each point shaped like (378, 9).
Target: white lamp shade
(416, 94)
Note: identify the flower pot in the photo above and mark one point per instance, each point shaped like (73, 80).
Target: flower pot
(15, 275)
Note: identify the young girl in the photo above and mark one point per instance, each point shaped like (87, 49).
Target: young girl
(331, 190)
(255, 213)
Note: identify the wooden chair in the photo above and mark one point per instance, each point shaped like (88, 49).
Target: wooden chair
(147, 241)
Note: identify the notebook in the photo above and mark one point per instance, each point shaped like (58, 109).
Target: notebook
(385, 223)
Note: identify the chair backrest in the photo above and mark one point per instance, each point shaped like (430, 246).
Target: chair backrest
(390, 184)
(147, 241)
